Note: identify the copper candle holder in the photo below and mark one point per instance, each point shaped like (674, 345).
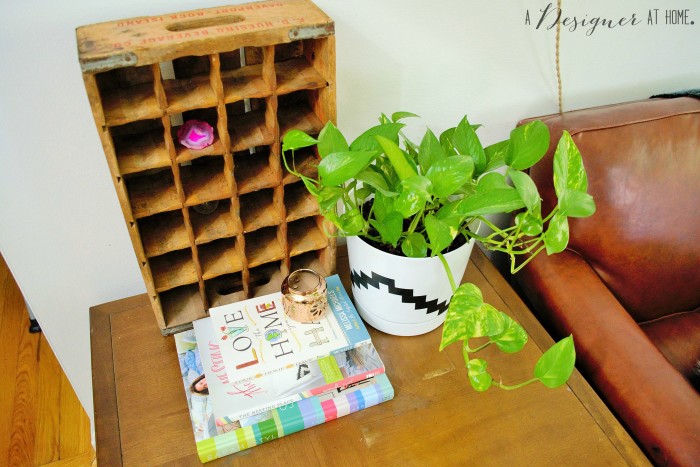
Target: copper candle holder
(304, 295)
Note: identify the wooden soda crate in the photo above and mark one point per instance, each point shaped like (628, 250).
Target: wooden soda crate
(226, 222)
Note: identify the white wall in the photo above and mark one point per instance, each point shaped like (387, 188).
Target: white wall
(61, 230)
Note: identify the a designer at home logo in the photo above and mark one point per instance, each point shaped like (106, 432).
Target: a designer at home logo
(549, 16)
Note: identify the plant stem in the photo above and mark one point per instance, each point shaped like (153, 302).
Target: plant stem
(415, 222)
(551, 214)
(483, 346)
(516, 386)
(512, 263)
(491, 225)
(449, 273)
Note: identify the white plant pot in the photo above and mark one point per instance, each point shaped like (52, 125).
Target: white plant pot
(403, 296)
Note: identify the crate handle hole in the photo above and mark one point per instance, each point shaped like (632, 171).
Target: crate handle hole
(204, 23)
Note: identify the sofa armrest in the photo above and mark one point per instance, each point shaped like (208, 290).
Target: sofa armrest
(660, 408)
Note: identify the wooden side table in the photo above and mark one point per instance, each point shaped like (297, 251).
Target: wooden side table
(435, 418)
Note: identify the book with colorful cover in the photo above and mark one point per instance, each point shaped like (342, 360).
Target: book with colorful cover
(276, 423)
(236, 401)
(257, 338)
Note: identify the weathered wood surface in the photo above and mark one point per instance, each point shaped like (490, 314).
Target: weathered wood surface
(152, 39)
(435, 417)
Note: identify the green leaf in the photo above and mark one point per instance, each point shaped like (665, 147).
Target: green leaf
(496, 201)
(446, 142)
(468, 316)
(397, 158)
(557, 236)
(328, 197)
(382, 206)
(576, 204)
(390, 228)
(440, 233)
(467, 143)
(419, 185)
(526, 189)
(430, 151)
(396, 116)
(351, 223)
(513, 338)
(528, 143)
(296, 139)
(485, 321)
(492, 181)
(367, 141)
(415, 192)
(372, 178)
(496, 155)
(449, 210)
(450, 173)
(556, 365)
(331, 140)
(414, 246)
(339, 167)
(361, 194)
(529, 223)
(383, 167)
(479, 378)
(465, 301)
(310, 184)
(568, 167)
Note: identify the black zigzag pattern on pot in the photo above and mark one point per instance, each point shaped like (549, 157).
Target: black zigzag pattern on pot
(407, 295)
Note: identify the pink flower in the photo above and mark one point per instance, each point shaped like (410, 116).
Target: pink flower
(196, 134)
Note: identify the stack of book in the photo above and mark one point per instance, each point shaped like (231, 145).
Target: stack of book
(252, 375)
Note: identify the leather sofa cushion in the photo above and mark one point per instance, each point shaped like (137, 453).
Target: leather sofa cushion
(643, 164)
(677, 336)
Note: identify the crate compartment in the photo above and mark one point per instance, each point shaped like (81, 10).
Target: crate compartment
(296, 74)
(305, 235)
(263, 246)
(128, 94)
(184, 154)
(243, 81)
(293, 68)
(140, 146)
(258, 210)
(152, 192)
(214, 225)
(309, 260)
(190, 88)
(181, 305)
(219, 257)
(163, 233)
(266, 279)
(225, 289)
(299, 202)
(295, 111)
(204, 180)
(252, 171)
(173, 269)
(305, 162)
(249, 128)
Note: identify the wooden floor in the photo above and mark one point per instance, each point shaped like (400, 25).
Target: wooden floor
(41, 419)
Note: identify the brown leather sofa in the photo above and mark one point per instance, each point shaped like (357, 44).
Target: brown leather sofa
(628, 285)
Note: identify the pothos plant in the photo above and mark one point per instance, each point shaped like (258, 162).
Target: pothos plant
(416, 199)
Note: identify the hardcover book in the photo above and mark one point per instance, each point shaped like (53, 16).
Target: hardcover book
(235, 401)
(212, 443)
(256, 337)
